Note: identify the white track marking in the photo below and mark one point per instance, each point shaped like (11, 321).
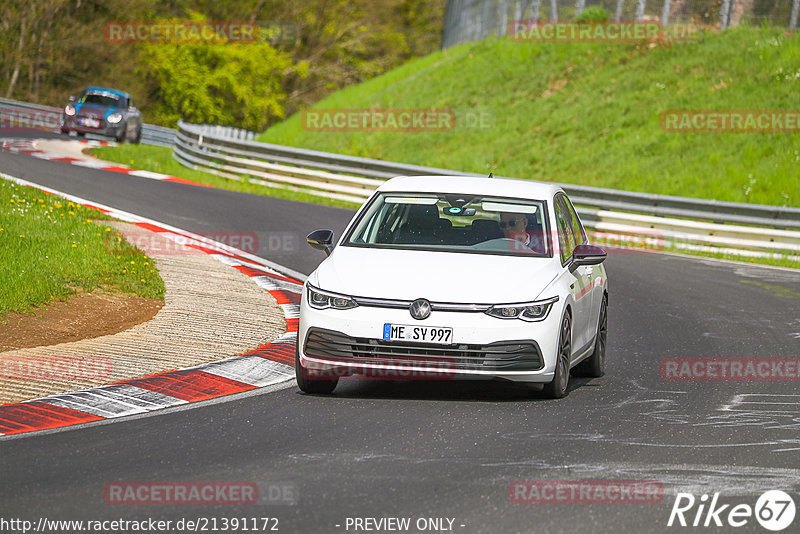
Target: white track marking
(252, 370)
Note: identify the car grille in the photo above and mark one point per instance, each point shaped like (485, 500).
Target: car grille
(506, 356)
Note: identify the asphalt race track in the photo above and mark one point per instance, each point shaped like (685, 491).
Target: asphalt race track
(447, 449)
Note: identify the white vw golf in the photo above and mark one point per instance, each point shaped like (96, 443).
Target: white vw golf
(453, 277)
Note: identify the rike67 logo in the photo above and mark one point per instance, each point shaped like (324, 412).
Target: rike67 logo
(774, 510)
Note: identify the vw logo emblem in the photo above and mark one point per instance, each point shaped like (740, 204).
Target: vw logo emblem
(420, 309)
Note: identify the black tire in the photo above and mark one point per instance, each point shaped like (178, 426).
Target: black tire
(138, 138)
(123, 134)
(557, 388)
(595, 365)
(308, 384)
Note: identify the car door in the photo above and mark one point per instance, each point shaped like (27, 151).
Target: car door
(580, 278)
(596, 273)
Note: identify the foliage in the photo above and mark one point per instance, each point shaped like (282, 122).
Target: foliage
(226, 84)
(50, 49)
(593, 14)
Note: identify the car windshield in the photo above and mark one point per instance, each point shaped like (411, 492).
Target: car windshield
(453, 223)
(100, 99)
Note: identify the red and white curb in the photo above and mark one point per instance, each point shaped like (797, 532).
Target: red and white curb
(29, 147)
(269, 364)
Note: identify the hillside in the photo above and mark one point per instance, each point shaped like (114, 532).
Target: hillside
(590, 114)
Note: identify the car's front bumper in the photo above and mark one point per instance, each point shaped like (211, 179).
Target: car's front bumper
(343, 342)
(69, 124)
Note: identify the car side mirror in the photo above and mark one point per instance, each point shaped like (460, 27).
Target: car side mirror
(321, 240)
(588, 255)
(72, 98)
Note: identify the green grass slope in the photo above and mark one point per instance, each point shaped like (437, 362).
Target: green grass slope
(51, 248)
(590, 114)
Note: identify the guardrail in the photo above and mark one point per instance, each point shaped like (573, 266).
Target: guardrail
(682, 222)
(158, 135)
(751, 229)
(16, 117)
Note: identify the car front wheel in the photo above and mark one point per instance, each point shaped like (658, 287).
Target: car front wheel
(309, 384)
(595, 365)
(123, 133)
(557, 388)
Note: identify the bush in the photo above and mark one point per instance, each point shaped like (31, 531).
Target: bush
(593, 14)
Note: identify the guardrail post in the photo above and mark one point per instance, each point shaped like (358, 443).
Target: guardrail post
(535, 7)
(795, 9)
(665, 13)
(640, 9)
(725, 14)
(503, 26)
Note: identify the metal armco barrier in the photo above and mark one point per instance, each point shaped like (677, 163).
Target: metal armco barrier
(759, 229)
(158, 135)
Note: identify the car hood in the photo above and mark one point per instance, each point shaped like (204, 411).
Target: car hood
(436, 276)
(99, 111)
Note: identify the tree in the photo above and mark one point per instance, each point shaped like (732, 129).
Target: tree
(226, 84)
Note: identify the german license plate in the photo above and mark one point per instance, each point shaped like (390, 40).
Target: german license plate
(90, 123)
(417, 334)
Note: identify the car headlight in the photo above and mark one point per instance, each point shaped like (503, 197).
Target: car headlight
(69, 110)
(527, 311)
(114, 118)
(321, 300)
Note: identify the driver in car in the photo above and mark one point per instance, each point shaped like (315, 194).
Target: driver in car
(514, 226)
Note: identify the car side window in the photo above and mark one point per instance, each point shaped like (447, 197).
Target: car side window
(566, 240)
(575, 223)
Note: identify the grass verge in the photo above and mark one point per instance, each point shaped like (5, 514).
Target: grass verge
(51, 248)
(590, 114)
(159, 159)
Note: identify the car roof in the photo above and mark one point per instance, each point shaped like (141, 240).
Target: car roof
(504, 187)
(107, 90)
